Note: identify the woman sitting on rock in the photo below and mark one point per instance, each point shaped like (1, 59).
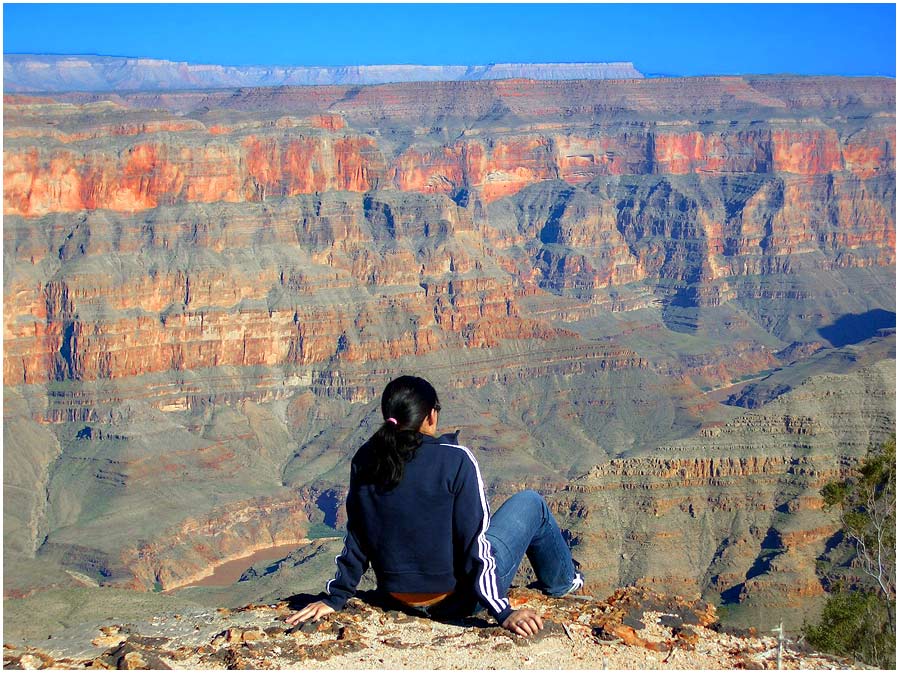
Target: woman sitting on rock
(416, 511)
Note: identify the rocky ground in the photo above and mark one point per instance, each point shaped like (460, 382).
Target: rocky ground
(632, 629)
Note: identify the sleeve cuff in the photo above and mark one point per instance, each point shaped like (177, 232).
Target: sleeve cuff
(332, 601)
(502, 616)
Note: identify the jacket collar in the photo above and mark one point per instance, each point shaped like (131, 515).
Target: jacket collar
(446, 438)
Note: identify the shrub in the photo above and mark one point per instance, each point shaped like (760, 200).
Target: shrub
(859, 618)
(856, 624)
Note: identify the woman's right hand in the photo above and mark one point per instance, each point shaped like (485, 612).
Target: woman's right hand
(313, 611)
(524, 622)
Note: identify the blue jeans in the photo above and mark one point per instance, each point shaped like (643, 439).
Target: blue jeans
(523, 526)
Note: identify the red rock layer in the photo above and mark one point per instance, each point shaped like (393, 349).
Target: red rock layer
(186, 165)
(806, 193)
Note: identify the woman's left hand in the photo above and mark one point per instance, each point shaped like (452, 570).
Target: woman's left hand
(524, 622)
(313, 611)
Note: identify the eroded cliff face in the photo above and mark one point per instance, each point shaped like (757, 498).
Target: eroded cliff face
(689, 203)
(190, 163)
(736, 513)
(206, 292)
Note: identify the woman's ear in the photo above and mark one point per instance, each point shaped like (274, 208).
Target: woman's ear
(429, 424)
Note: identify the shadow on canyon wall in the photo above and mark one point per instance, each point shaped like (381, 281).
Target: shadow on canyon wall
(854, 328)
(329, 503)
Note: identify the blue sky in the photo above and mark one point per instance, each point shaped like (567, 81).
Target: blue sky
(677, 39)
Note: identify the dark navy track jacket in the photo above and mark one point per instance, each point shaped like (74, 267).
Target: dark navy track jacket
(427, 535)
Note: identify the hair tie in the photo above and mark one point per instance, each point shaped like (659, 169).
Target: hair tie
(392, 420)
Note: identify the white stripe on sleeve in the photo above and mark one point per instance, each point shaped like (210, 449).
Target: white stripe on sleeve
(487, 578)
(336, 559)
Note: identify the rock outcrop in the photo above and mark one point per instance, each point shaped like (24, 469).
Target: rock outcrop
(631, 629)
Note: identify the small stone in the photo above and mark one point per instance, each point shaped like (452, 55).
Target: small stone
(349, 632)
(115, 657)
(233, 635)
(110, 630)
(183, 653)
(274, 631)
(30, 662)
(48, 661)
(634, 623)
(217, 657)
(671, 621)
(749, 664)
(687, 638)
(321, 652)
(656, 646)
(252, 634)
(113, 640)
(233, 661)
(294, 631)
(550, 629)
(304, 627)
(155, 663)
(603, 633)
(132, 661)
(148, 641)
(350, 646)
(396, 644)
(324, 626)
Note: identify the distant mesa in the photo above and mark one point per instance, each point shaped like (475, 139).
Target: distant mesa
(23, 73)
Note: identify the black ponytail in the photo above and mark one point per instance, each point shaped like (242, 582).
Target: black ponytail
(405, 404)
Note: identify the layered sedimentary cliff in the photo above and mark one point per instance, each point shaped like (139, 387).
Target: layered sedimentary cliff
(736, 512)
(693, 207)
(205, 293)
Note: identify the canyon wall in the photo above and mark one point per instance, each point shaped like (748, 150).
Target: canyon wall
(736, 513)
(205, 292)
(697, 209)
